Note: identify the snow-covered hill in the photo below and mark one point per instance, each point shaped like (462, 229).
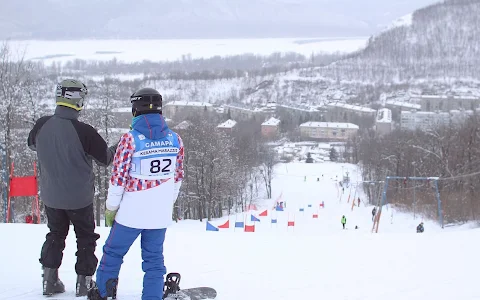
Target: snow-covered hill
(198, 18)
(315, 259)
(436, 42)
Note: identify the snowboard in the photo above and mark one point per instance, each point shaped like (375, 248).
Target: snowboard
(196, 293)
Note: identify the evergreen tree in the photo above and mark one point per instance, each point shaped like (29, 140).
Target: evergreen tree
(309, 159)
(333, 154)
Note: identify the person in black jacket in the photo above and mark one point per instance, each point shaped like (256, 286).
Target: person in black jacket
(65, 149)
(420, 228)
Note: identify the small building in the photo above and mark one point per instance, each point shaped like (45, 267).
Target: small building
(270, 127)
(328, 130)
(383, 123)
(227, 126)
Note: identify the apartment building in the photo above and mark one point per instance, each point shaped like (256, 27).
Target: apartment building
(328, 130)
(423, 120)
(241, 112)
(446, 103)
(178, 110)
(343, 112)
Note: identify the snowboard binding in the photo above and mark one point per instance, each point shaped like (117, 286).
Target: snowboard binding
(171, 285)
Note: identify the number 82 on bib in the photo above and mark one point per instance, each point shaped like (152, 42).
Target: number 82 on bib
(157, 167)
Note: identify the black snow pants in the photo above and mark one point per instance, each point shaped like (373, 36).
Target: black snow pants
(84, 225)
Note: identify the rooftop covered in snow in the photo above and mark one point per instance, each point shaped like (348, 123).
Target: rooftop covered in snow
(329, 125)
(384, 115)
(227, 124)
(183, 125)
(188, 103)
(351, 107)
(271, 122)
(299, 107)
(403, 104)
(243, 107)
(122, 109)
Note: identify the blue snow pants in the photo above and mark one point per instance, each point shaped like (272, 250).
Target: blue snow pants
(117, 245)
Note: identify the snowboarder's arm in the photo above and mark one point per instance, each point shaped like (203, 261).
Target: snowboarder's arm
(93, 143)
(178, 169)
(120, 171)
(33, 133)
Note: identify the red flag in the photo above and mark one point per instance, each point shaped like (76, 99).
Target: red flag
(264, 213)
(226, 225)
(249, 228)
(291, 223)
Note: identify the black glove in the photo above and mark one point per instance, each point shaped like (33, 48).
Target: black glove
(114, 147)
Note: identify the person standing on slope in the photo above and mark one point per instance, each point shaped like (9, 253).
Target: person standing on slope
(65, 148)
(146, 178)
(344, 221)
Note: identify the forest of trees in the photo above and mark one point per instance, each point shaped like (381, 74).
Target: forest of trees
(216, 67)
(451, 153)
(441, 43)
(225, 172)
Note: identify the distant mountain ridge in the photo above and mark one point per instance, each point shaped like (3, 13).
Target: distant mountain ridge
(125, 19)
(438, 41)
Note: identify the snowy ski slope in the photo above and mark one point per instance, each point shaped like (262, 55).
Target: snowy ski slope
(315, 259)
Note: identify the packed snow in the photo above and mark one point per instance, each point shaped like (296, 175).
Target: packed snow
(315, 259)
(406, 21)
(168, 50)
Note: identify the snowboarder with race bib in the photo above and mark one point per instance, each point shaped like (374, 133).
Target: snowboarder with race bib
(65, 148)
(146, 178)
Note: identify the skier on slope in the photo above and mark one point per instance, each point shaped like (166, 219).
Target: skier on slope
(344, 221)
(65, 148)
(146, 178)
(420, 228)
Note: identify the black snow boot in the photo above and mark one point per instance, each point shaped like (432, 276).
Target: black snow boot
(83, 285)
(94, 294)
(51, 283)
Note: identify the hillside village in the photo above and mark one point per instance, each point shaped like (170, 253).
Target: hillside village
(384, 106)
(331, 121)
